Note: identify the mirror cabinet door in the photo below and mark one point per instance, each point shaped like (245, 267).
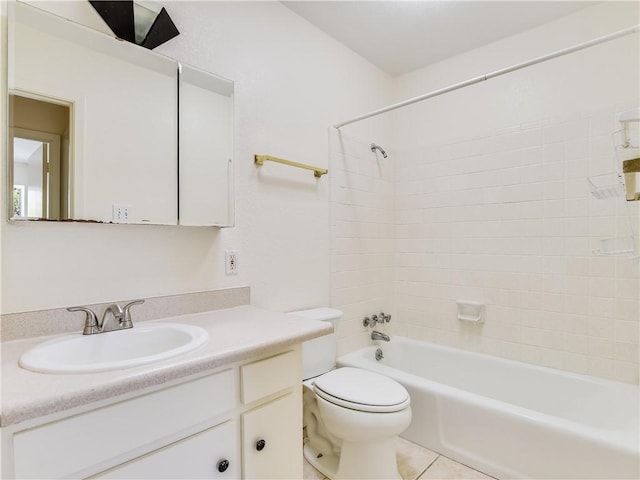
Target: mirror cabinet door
(117, 111)
(206, 149)
(120, 143)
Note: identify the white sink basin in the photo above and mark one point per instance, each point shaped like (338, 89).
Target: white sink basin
(101, 352)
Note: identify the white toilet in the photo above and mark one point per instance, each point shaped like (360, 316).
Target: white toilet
(351, 415)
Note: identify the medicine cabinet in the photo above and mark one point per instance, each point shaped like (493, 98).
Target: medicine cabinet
(103, 130)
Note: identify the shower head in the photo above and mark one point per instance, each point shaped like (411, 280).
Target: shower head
(375, 147)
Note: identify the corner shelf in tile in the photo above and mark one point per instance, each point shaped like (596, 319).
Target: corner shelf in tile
(608, 185)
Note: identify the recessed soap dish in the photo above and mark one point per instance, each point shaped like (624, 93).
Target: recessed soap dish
(618, 246)
(470, 311)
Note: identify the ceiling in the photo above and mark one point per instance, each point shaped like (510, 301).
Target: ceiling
(401, 36)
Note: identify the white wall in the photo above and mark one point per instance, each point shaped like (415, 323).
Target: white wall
(291, 82)
(591, 79)
(491, 203)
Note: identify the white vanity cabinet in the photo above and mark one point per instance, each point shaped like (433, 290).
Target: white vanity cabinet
(203, 426)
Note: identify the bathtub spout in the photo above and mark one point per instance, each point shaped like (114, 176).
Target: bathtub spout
(375, 335)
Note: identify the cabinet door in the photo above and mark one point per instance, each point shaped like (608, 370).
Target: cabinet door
(272, 439)
(205, 149)
(202, 455)
(74, 446)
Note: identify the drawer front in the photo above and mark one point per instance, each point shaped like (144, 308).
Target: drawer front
(71, 445)
(271, 375)
(198, 456)
(272, 439)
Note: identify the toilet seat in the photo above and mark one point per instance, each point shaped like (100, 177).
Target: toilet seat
(361, 390)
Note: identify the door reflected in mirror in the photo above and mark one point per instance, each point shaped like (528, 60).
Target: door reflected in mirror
(39, 152)
(30, 178)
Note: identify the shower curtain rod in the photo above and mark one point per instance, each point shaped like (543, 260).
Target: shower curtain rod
(497, 73)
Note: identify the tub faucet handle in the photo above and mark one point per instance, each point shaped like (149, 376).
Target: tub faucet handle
(379, 354)
(384, 318)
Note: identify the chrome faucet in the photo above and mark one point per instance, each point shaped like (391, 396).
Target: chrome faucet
(376, 335)
(118, 314)
(121, 314)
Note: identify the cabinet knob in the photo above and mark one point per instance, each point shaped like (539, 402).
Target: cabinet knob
(223, 465)
(260, 444)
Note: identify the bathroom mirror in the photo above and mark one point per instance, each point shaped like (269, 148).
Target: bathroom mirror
(121, 134)
(115, 129)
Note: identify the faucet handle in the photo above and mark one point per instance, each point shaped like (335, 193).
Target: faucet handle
(90, 321)
(126, 319)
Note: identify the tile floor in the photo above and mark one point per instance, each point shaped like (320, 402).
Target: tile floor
(415, 462)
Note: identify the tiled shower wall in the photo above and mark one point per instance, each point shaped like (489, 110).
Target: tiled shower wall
(362, 235)
(506, 219)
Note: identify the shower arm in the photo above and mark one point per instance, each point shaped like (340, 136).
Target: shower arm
(375, 147)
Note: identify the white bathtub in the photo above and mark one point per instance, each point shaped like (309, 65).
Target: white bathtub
(510, 419)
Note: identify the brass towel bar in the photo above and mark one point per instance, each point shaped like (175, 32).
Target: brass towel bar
(317, 172)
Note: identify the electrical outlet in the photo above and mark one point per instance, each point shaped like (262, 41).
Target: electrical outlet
(120, 213)
(231, 262)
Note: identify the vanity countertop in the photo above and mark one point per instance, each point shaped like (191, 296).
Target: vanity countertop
(235, 334)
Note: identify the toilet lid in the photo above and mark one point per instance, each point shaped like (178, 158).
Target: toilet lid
(361, 390)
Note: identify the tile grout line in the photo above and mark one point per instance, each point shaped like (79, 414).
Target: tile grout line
(428, 466)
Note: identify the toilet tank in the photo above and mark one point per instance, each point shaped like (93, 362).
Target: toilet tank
(319, 354)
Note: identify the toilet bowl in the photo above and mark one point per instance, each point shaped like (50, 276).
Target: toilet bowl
(351, 416)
